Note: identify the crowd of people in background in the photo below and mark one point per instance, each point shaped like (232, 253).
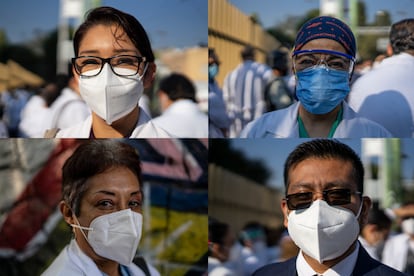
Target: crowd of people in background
(28, 112)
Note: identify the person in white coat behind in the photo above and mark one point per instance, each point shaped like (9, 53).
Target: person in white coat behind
(399, 249)
(69, 108)
(181, 116)
(386, 93)
(102, 202)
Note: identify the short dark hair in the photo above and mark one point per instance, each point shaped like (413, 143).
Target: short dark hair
(178, 86)
(378, 217)
(109, 16)
(402, 36)
(247, 53)
(212, 54)
(217, 231)
(93, 157)
(325, 149)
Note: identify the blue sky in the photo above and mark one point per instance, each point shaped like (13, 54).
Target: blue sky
(169, 23)
(275, 151)
(172, 23)
(272, 12)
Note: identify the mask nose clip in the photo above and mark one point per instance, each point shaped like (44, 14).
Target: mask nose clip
(323, 63)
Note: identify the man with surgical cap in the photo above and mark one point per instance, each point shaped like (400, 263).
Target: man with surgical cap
(323, 62)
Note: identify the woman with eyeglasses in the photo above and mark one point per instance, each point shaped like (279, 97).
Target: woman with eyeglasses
(324, 209)
(323, 62)
(114, 63)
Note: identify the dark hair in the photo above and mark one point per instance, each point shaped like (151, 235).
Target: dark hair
(217, 231)
(402, 36)
(279, 61)
(212, 54)
(93, 157)
(109, 16)
(178, 86)
(378, 217)
(325, 149)
(247, 53)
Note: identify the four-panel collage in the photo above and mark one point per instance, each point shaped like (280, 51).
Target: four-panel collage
(206, 137)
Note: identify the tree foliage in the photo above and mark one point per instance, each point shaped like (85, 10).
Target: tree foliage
(222, 154)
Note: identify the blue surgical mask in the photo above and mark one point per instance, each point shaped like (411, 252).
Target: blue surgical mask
(320, 89)
(212, 71)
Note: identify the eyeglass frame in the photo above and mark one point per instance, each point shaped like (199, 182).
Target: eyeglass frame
(324, 195)
(324, 51)
(108, 60)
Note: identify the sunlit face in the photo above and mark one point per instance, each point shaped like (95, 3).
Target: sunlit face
(108, 41)
(113, 190)
(316, 175)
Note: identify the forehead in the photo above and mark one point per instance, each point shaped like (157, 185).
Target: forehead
(325, 44)
(105, 37)
(118, 179)
(321, 174)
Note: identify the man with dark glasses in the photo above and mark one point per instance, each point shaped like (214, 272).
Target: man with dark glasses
(323, 209)
(323, 62)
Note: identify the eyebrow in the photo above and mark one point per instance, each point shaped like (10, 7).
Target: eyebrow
(116, 51)
(326, 186)
(113, 194)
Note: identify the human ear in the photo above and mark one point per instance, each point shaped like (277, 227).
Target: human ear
(283, 206)
(150, 74)
(366, 206)
(66, 212)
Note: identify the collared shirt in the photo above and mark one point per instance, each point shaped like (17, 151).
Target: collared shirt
(343, 268)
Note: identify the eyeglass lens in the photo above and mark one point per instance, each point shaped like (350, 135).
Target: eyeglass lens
(123, 65)
(332, 197)
(308, 60)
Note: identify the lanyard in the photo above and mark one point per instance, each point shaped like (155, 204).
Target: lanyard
(304, 134)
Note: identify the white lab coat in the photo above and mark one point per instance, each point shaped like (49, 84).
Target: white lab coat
(395, 251)
(217, 268)
(283, 123)
(184, 119)
(145, 129)
(72, 261)
(386, 95)
(68, 110)
(33, 117)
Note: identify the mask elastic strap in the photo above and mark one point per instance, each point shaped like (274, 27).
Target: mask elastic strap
(145, 70)
(77, 225)
(360, 209)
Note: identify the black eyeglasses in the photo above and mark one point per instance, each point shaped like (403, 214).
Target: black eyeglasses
(332, 197)
(122, 65)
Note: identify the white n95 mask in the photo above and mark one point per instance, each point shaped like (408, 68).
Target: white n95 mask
(111, 96)
(114, 236)
(322, 231)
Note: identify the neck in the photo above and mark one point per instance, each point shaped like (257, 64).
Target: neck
(107, 266)
(318, 125)
(111, 268)
(322, 267)
(118, 129)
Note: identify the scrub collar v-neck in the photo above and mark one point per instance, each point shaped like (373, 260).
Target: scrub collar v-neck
(304, 134)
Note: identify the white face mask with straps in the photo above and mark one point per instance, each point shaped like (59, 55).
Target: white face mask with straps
(114, 236)
(111, 96)
(322, 231)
